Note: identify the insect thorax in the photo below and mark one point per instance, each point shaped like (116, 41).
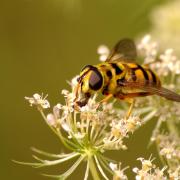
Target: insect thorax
(111, 73)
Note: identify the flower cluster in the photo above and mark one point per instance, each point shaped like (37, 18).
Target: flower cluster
(167, 67)
(164, 64)
(118, 172)
(149, 171)
(39, 101)
(90, 132)
(148, 49)
(120, 129)
(169, 145)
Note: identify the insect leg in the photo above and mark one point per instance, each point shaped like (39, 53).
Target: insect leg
(130, 109)
(109, 96)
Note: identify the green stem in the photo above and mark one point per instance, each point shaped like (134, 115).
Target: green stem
(93, 169)
(58, 133)
(160, 157)
(44, 117)
(172, 128)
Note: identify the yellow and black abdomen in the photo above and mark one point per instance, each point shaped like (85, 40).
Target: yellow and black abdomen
(142, 74)
(137, 77)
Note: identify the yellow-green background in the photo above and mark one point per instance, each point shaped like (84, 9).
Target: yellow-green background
(43, 43)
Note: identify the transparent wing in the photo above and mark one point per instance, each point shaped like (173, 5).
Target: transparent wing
(124, 50)
(153, 89)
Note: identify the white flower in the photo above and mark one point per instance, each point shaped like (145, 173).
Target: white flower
(169, 63)
(124, 126)
(118, 172)
(65, 126)
(51, 120)
(133, 122)
(38, 100)
(148, 49)
(169, 146)
(146, 164)
(149, 171)
(113, 166)
(79, 135)
(103, 52)
(54, 118)
(65, 92)
(73, 83)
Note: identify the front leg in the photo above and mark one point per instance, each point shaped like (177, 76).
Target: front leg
(106, 99)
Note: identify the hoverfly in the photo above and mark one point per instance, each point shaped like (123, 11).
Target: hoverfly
(120, 77)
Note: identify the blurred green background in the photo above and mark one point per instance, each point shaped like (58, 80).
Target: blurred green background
(43, 43)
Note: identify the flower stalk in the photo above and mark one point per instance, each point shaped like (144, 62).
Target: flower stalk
(93, 169)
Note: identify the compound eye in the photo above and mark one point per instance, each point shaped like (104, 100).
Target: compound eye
(95, 80)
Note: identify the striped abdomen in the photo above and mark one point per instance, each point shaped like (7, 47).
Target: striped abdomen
(142, 74)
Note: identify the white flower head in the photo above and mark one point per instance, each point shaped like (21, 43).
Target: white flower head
(39, 101)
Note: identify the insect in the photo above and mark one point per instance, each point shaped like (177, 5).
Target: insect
(120, 77)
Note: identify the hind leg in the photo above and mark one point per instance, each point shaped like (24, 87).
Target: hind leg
(130, 98)
(131, 101)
